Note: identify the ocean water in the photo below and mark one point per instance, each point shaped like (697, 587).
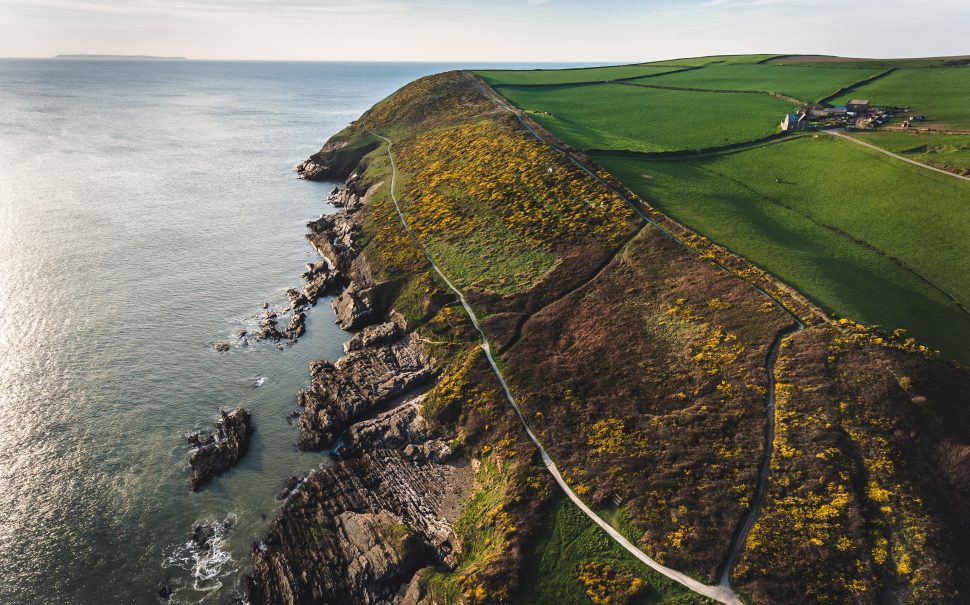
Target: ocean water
(147, 210)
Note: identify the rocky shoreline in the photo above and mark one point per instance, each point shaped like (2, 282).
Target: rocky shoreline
(359, 529)
(221, 449)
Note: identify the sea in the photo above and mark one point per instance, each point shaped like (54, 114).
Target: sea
(148, 210)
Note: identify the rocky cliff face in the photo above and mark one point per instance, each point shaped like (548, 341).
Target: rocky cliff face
(356, 532)
(360, 382)
(221, 449)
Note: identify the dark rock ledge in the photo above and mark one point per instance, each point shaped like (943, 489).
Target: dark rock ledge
(221, 449)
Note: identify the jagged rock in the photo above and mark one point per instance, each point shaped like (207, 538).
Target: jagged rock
(297, 326)
(335, 160)
(356, 532)
(434, 450)
(297, 299)
(353, 307)
(321, 283)
(312, 269)
(350, 197)
(289, 487)
(337, 238)
(221, 449)
(359, 382)
(395, 428)
(374, 336)
(221, 347)
(268, 328)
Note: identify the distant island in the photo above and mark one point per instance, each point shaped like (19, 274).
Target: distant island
(121, 57)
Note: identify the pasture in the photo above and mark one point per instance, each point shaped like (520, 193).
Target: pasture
(860, 233)
(947, 151)
(714, 60)
(542, 77)
(805, 83)
(618, 116)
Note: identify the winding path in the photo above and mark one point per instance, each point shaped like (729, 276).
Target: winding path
(719, 592)
(841, 134)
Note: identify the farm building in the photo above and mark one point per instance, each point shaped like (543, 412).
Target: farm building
(794, 121)
(857, 106)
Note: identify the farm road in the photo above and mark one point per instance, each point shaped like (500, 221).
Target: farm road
(841, 134)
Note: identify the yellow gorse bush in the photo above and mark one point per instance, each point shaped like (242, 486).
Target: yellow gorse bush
(467, 175)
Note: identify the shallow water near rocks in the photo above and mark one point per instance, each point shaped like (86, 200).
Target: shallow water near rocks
(147, 210)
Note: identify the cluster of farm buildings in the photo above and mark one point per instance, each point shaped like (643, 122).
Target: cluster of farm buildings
(857, 113)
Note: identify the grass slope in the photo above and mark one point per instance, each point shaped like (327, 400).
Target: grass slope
(951, 152)
(569, 538)
(616, 116)
(496, 77)
(880, 64)
(806, 83)
(940, 94)
(714, 60)
(767, 204)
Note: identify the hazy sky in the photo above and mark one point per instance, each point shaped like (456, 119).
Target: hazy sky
(488, 30)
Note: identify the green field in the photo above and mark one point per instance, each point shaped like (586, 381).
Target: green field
(571, 76)
(878, 64)
(568, 539)
(943, 95)
(805, 83)
(714, 60)
(948, 151)
(847, 226)
(617, 116)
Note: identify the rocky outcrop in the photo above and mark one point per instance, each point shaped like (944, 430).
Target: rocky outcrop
(351, 196)
(337, 238)
(321, 281)
(356, 532)
(354, 307)
(221, 449)
(395, 428)
(378, 335)
(269, 327)
(336, 160)
(357, 384)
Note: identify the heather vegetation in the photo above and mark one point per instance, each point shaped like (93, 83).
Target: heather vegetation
(869, 435)
(668, 421)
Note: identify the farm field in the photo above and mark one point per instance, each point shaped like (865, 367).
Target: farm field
(571, 76)
(617, 116)
(714, 60)
(951, 152)
(805, 83)
(880, 64)
(828, 218)
(940, 94)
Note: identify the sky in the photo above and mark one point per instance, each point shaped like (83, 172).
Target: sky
(601, 31)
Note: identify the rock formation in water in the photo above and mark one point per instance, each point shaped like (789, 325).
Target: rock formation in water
(358, 383)
(221, 449)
